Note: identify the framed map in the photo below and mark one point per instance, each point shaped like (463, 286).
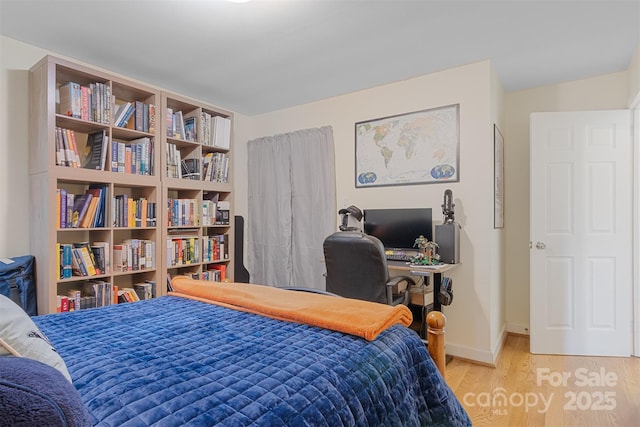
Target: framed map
(414, 148)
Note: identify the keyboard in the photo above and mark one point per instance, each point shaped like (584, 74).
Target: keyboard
(399, 257)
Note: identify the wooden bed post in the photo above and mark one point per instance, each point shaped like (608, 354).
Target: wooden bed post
(435, 332)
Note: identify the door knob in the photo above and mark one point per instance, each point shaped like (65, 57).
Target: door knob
(540, 245)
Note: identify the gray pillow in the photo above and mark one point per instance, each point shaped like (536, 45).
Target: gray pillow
(35, 394)
(21, 337)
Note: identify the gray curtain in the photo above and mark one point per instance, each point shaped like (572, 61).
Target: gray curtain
(292, 207)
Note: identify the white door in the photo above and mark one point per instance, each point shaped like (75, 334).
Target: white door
(581, 233)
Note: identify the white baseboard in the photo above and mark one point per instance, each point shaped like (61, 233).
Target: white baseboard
(468, 353)
(484, 357)
(518, 328)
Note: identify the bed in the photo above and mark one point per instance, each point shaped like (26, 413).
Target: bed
(185, 359)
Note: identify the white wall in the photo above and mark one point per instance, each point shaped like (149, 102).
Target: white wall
(600, 93)
(476, 317)
(15, 60)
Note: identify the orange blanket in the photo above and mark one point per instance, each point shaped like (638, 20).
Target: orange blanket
(355, 317)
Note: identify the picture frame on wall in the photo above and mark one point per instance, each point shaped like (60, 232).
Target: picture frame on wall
(498, 178)
(421, 147)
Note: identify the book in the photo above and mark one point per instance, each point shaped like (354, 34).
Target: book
(87, 262)
(145, 118)
(139, 116)
(222, 269)
(99, 257)
(123, 297)
(178, 125)
(126, 116)
(67, 260)
(71, 200)
(80, 206)
(102, 255)
(99, 191)
(61, 206)
(191, 169)
(61, 154)
(70, 95)
(75, 296)
(153, 287)
(96, 150)
(190, 128)
(152, 119)
(130, 294)
(87, 220)
(120, 258)
(70, 155)
(78, 266)
(85, 94)
(221, 132)
(86, 246)
(169, 119)
(143, 290)
(120, 113)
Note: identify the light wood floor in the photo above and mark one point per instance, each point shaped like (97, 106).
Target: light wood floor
(527, 389)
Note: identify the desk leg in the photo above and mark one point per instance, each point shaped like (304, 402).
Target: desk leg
(437, 282)
(423, 322)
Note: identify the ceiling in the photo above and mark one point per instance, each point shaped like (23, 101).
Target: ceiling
(266, 55)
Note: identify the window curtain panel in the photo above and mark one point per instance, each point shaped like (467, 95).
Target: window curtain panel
(292, 207)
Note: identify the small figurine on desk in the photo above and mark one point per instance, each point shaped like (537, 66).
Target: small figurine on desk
(427, 254)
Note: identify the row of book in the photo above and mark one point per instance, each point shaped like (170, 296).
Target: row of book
(136, 115)
(134, 255)
(183, 250)
(182, 212)
(92, 102)
(214, 248)
(213, 167)
(83, 259)
(81, 210)
(174, 161)
(133, 212)
(214, 131)
(69, 154)
(215, 273)
(133, 157)
(88, 210)
(215, 212)
(99, 293)
(86, 260)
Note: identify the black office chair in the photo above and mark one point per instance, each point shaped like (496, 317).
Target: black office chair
(357, 268)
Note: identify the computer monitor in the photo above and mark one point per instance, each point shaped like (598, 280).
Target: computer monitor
(400, 227)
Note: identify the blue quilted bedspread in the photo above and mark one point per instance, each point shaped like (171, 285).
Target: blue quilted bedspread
(177, 362)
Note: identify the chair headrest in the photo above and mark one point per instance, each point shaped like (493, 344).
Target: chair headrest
(353, 211)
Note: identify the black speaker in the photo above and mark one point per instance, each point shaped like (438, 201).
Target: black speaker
(447, 236)
(240, 273)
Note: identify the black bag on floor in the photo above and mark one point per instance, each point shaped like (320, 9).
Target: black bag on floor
(17, 282)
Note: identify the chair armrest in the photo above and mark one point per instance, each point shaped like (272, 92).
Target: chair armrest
(394, 281)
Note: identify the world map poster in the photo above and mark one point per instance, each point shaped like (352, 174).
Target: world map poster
(414, 148)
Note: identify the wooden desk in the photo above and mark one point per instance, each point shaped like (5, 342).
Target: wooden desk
(434, 271)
